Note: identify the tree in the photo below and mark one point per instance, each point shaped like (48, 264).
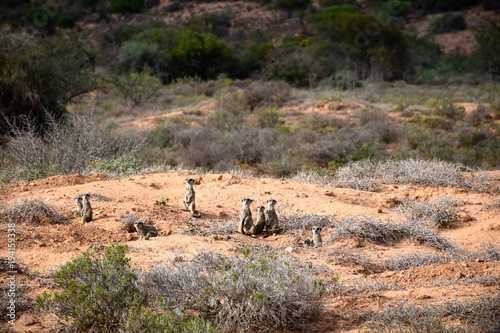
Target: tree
(488, 47)
(198, 55)
(41, 75)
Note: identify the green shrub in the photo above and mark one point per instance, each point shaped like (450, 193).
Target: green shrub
(137, 87)
(449, 22)
(264, 290)
(137, 57)
(488, 47)
(119, 166)
(127, 6)
(98, 288)
(143, 320)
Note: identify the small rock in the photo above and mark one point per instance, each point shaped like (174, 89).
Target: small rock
(289, 249)
(479, 260)
(380, 210)
(464, 217)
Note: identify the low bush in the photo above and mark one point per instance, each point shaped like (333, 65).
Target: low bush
(441, 211)
(98, 289)
(449, 22)
(33, 212)
(413, 260)
(262, 291)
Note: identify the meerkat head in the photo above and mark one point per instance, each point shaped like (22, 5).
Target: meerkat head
(190, 181)
(271, 202)
(315, 230)
(78, 199)
(247, 201)
(260, 208)
(86, 196)
(138, 224)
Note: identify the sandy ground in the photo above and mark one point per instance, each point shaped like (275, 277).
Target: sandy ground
(45, 247)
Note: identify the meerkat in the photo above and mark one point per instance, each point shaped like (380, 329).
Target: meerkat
(189, 198)
(272, 222)
(246, 221)
(79, 206)
(86, 209)
(259, 226)
(145, 231)
(316, 238)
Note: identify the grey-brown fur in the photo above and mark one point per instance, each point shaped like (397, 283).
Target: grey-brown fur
(246, 220)
(79, 206)
(272, 221)
(145, 231)
(190, 198)
(86, 209)
(259, 226)
(316, 238)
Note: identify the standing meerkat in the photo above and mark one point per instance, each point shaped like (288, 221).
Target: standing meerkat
(272, 222)
(86, 209)
(316, 238)
(189, 198)
(259, 226)
(246, 221)
(79, 206)
(145, 231)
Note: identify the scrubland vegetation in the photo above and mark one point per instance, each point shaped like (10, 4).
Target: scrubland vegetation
(397, 118)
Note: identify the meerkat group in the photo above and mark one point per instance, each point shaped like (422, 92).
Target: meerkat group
(316, 238)
(83, 208)
(267, 219)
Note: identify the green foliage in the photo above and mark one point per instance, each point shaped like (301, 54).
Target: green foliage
(198, 55)
(449, 22)
(98, 288)
(127, 6)
(366, 41)
(329, 3)
(39, 75)
(217, 23)
(136, 57)
(138, 88)
(143, 320)
(120, 166)
(488, 47)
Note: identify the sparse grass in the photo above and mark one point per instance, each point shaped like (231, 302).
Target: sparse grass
(34, 211)
(217, 227)
(265, 290)
(360, 286)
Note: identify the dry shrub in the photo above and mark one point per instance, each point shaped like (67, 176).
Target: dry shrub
(442, 211)
(480, 315)
(33, 212)
(266, 93)
(66, 147)
(264, 291)
(413, 260)
(346, 257)
(386, 233)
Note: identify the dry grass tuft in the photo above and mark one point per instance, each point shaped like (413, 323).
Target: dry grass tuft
(34, 212)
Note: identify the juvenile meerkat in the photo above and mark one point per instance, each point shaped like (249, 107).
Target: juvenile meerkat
(246, 220)
(259, 226)
(79, 206)
(145, 231)
(272, 222)
(189, 198)
(86, 209)
(316, 238)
